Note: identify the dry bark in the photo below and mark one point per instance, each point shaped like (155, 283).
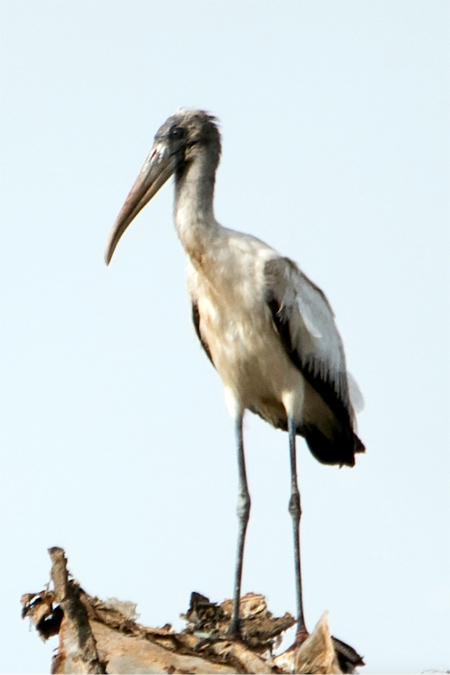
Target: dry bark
(104, 637)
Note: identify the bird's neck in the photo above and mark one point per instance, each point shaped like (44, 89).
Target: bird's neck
(194, 213)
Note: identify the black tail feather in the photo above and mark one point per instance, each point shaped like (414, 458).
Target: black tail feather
(340, 449)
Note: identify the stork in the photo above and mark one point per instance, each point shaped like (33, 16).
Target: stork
(267, 329)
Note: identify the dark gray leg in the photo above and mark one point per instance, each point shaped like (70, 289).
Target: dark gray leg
(296, 512)
(243, 512)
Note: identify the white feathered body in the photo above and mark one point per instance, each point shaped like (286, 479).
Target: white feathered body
(268, 330)
(229, 282)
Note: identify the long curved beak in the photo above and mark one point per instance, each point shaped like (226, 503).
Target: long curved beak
(158, 167)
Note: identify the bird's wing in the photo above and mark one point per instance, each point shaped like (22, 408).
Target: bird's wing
(356, 397)
(305, 323)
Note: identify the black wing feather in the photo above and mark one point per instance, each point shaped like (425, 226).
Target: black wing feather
(330, 384)
(196, 320)
(328, 390)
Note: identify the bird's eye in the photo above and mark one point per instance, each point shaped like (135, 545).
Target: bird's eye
(177, 133)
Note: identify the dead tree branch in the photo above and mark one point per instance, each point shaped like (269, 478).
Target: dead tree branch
(104, 637)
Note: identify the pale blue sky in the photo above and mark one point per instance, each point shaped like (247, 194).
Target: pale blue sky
(116, 443)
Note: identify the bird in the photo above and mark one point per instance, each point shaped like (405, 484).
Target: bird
(267, 329)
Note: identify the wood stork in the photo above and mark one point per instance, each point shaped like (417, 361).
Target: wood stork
(267, 329)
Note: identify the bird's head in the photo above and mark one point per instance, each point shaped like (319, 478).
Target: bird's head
(178, 142)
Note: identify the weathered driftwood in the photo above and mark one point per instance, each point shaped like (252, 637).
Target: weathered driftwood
(104, 637)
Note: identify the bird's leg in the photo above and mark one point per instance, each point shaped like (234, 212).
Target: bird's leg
(296, 512)
(243, 512)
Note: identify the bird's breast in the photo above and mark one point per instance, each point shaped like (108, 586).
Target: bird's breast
(236, 324)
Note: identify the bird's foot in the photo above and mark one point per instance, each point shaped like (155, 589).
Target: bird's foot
(300, 637)
(234, 630)
(209, 640)
(233, 634)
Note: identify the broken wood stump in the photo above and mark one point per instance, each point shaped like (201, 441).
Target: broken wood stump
(98, 636)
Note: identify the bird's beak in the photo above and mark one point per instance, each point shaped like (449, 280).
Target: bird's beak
(158, 167)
